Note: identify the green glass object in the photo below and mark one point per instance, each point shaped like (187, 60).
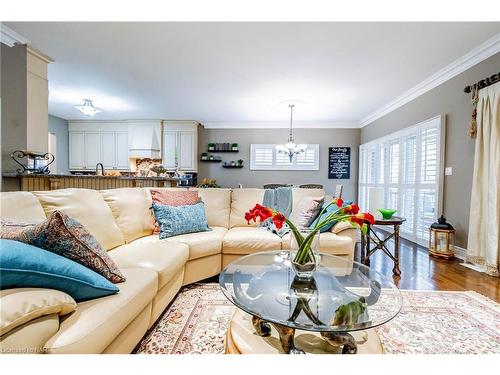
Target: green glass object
(386, 212)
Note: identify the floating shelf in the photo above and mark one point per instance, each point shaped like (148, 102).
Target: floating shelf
(211, 161)
(217, 151)
(232, 166)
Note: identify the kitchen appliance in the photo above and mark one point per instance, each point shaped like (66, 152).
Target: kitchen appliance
(188, 179)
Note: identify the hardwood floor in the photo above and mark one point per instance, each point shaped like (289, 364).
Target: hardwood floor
(420, 271)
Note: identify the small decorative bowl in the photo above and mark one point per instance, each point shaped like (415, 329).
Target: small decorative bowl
(386, 212)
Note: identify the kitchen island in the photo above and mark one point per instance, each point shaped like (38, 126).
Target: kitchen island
(37, 182)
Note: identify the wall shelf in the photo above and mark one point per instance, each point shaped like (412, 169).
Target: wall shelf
(232, 166)
(211, 161)
(215, 152)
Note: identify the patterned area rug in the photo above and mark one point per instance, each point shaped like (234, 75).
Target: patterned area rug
(430, 322)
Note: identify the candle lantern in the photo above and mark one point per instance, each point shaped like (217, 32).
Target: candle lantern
(442, 239)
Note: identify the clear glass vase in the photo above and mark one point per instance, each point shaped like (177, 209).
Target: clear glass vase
(305, 259)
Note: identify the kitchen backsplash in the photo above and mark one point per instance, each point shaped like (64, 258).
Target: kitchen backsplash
(146, 163)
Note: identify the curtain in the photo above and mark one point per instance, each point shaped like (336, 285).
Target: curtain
(484, 222)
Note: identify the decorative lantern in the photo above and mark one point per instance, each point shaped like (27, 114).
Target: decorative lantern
(442, 239)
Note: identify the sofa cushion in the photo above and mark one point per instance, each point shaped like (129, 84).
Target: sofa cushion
(242, 200)
(165, 258)
(248, 240)
(217, 205)
(202, 244)
(89, 208)
(131, 208)
(95, 324)
(21, 305)
(23, 265)
(64, 236)
(329, 243)
(21, 205)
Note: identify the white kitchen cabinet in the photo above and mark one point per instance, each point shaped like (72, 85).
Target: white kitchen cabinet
(180, 141)
(92, 149)
(186, 153)
(108, 150)
(121, 150)
(76, 150)
(92, 143)
(169, 148)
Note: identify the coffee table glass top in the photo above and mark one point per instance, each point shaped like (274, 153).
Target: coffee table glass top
(342, 296)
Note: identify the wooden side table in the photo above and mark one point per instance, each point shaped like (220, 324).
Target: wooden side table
(380, 243)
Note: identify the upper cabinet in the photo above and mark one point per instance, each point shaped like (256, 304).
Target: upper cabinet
(180, 145)
(91, 143)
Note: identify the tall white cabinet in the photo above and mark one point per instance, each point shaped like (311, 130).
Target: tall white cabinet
(180, 143)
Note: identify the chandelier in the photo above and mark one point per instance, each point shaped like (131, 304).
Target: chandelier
(87, 108)
(291, 148)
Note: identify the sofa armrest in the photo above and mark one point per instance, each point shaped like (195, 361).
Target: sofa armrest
(31, 314)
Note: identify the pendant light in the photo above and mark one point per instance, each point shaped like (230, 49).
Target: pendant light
(87, 108)
(291, 148)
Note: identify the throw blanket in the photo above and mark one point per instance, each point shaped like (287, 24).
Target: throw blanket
(279, 199)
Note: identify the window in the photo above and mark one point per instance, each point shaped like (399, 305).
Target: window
(403, 171)
(266, 157)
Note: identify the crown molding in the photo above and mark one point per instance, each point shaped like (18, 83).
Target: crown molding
(10, 38)
(478, 54)
(279, 125)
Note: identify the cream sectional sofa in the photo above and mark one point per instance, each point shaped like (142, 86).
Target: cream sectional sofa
(155, 269)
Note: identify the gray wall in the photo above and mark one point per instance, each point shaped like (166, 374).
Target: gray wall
(244, 137)
(59, 127)
(450, 100)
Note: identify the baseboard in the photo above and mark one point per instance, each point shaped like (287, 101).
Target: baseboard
(460, 253)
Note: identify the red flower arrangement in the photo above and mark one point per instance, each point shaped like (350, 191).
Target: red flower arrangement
(305, 254)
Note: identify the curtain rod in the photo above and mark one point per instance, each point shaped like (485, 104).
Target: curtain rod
(484, 82)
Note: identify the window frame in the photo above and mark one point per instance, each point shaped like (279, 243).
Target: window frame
(274, 166)
(403, 186)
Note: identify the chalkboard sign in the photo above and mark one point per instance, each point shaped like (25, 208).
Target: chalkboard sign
(339, 163)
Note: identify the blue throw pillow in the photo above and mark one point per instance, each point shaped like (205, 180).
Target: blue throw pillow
(328, 211)
(27, 266)
(175, 220)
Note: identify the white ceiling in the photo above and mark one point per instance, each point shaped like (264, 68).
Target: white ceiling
(241, 72)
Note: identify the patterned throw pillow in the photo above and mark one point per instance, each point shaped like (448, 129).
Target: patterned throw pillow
(64, 236)
(181, 219)
(173, 198)
(306, 211)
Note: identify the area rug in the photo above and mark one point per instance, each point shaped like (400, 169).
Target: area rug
(430, 322)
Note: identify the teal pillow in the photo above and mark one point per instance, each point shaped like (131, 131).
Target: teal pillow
(27, 266)
(175, 220)
(328, 211)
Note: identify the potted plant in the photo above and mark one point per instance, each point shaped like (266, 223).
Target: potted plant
(211, 147)
(209, 183)
(158, 169)
(304, 253)
(240, 162)
(234, 147)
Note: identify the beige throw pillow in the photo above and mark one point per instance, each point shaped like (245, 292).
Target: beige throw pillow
(306, 211)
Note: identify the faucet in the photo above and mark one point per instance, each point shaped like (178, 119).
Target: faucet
(97, 172)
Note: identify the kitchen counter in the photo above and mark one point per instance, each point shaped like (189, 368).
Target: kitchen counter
(36, 182)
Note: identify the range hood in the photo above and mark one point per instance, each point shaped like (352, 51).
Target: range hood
(144, 139)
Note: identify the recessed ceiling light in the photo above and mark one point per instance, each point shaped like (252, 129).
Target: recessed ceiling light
(87, 108)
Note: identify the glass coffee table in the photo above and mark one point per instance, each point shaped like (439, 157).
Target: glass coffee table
(342, 300)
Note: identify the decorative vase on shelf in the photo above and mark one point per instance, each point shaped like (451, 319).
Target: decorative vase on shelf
(305, 257)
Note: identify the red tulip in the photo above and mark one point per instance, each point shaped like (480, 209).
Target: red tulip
(258, 212)
(279, 220)
(351, 209)
(361, 218)
(339, 202)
